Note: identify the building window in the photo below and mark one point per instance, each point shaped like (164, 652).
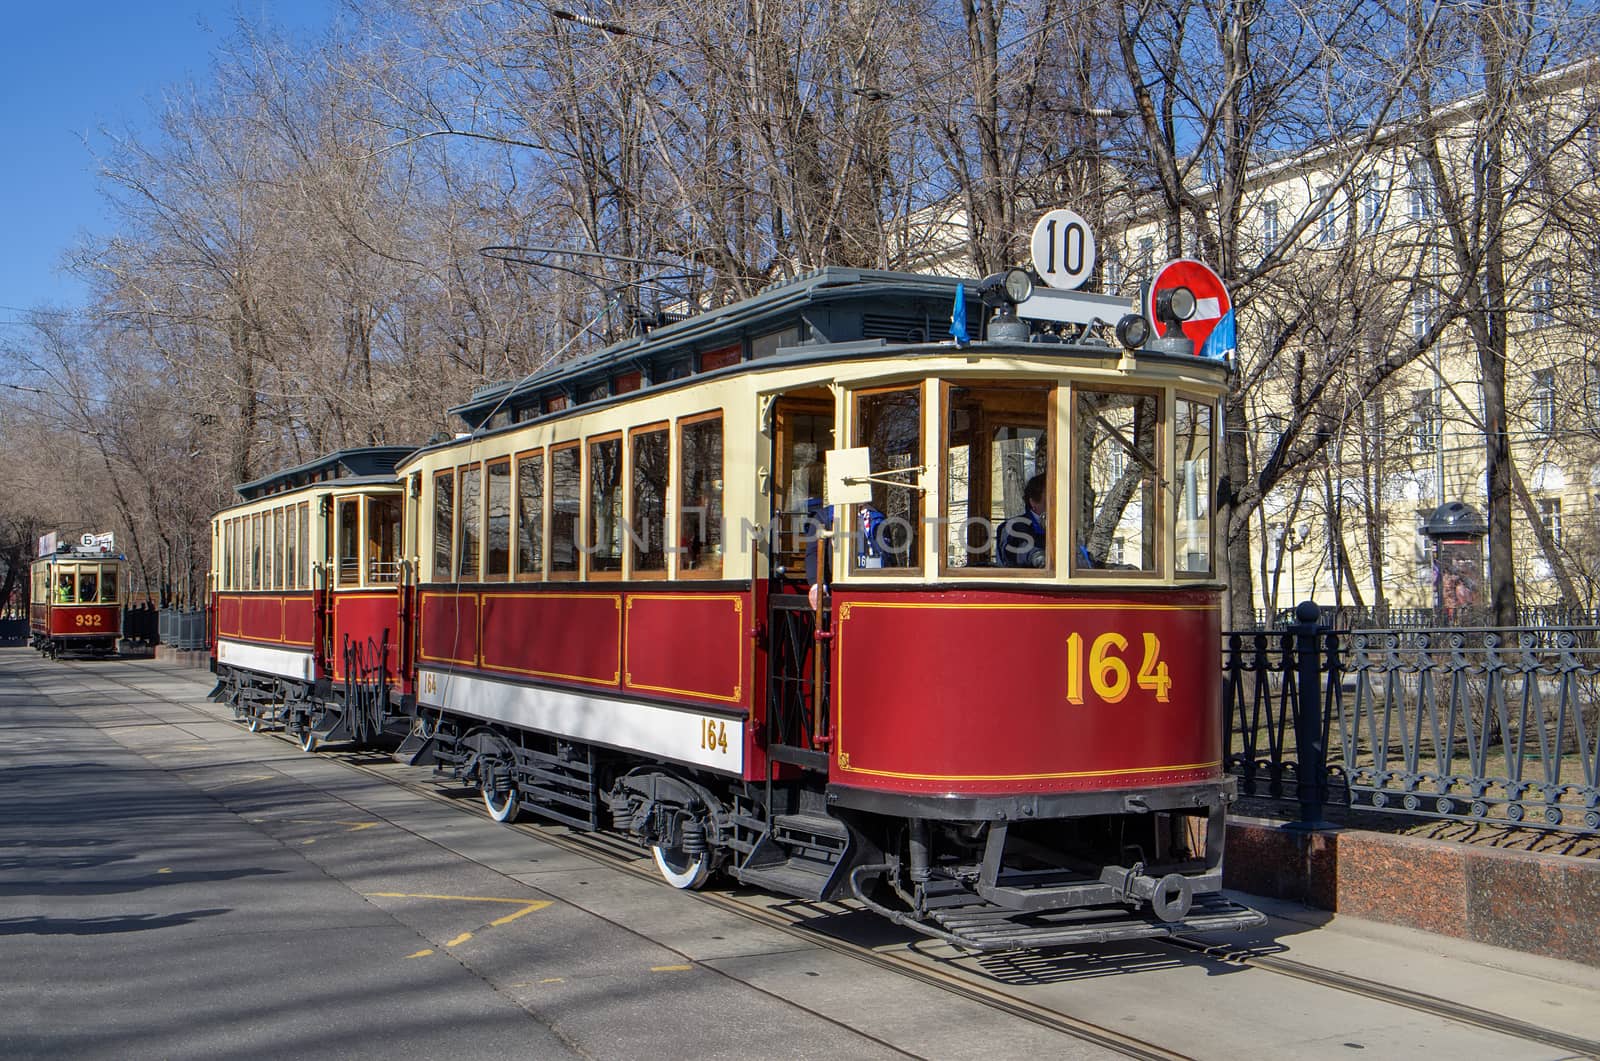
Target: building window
(1328, 223)
(1113, 271)
(1542, 296)
(1269, 225)
(1422, 194)
(1375, 420)
(1374, 201)
(1147, 253)
(1544, 401)
(1550, 517)
(1423, 304)
(1424, 421)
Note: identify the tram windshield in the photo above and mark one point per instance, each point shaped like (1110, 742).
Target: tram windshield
(1115, 467)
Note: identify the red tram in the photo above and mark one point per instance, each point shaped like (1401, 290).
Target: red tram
(76, 600)
(793, 591)
(307, 598)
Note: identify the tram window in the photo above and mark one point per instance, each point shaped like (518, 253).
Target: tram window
(647, 526)
(605, 505)
(88, 584)
(1115, 472)
(237, 538)
(530, 514)
(269, 551)
(66, 588)
(280, 577)
(291, 542)
(255, 551)
(699, 523)
(497, 524)
(1193, 430)
(995, 445)
(348, 536)
(383, 540)
(108, 584)
(226, 539)
(887, 533)
(305, 545)
(444, 508)
(770, 343)
(471, 543)
(566, 498)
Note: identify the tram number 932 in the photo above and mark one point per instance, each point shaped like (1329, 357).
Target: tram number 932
(88, 619)
(1108, 669)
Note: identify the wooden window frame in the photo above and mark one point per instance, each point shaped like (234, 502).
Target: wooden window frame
(280, 550)
(630, 518)
(919, 568)
(1210, 403)
(1058, 503)
(458, 539)
(433, 524)
(588, 549)
(517, 574)
(339, 580)
(675, 508)
(578, 532)
(1163, 448)
(511, 525)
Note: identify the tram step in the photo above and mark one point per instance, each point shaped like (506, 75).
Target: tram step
(803, 855)
(987, 927)
(800, 877)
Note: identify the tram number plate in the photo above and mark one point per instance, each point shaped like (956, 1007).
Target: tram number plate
(1108, 672)
(430, 682)
(89, 619)
(714, 735)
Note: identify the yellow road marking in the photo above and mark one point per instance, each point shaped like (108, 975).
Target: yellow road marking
(554, 980)
(164, 869)
(670, 968)
(312, 840)
(459, 940)
(421, 953)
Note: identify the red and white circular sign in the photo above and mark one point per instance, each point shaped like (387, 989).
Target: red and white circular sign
(1212, 304)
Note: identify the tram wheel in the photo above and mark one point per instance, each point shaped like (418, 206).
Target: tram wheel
(253, 723)
(507, 809)
(681, 870)
(308, 740)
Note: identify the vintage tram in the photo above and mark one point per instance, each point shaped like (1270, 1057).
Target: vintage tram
(798, 591)
(308, 603)
(76, 600)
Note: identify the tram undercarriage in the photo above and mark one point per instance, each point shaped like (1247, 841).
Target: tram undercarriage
(984, 874)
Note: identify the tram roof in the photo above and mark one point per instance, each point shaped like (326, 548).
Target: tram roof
(837, 306)
(375, 463)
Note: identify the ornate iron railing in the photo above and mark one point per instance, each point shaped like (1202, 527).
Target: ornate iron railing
(1477, 725)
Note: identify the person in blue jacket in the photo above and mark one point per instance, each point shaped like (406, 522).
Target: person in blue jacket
(1023, 537)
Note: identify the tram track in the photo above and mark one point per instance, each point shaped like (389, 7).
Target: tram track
(613, 853)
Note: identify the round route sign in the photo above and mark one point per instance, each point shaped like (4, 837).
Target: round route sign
(1063, 250)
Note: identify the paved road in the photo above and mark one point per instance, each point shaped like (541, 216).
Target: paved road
(172, 886)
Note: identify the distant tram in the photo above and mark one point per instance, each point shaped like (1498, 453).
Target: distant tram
(801, 592)
(76, 602)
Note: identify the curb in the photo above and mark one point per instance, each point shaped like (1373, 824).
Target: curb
(1527, 901)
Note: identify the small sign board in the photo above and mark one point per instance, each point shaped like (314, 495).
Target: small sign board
(1063, 250)
(47, 544)
(105, 543)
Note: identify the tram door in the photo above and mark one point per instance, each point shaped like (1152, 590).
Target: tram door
(797, 661)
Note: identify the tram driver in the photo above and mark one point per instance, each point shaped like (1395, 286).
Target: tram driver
(64, 588)
(1023, 537)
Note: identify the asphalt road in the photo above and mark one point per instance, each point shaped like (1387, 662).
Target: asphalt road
(172, 886)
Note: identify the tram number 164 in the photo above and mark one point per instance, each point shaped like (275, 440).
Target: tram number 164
(1108, 672)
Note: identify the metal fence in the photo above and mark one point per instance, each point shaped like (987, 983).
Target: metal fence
(185, 631)
(1473, 724)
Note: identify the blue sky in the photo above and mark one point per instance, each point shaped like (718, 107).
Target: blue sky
(68, 70)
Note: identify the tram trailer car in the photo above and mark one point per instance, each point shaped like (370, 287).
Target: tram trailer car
(310, 603)
(75, 605)
(636, 609)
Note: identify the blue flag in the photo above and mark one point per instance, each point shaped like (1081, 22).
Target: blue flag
(1221, 342)
(958, 317)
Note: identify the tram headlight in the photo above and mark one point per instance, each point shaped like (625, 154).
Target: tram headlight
(1005, 289)
(1133, 331)
(1174, 306)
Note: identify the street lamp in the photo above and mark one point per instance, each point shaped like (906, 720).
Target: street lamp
(1289, 540)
